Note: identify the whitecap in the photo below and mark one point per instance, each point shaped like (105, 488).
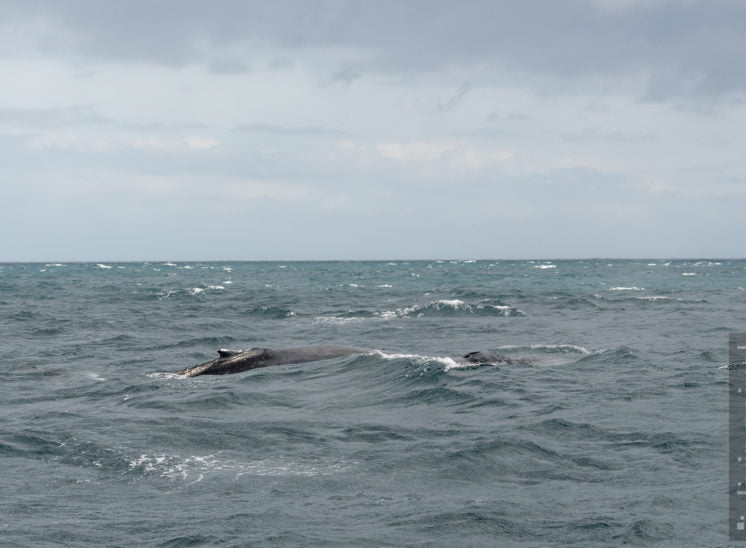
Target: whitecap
(545, 266)
(165, 375)
(633, 288)
(95, 376)
(195, 468)
(106, 266)
(452, 304)
(336, 320)
(448, 363)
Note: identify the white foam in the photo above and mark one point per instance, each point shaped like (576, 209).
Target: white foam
(448, 363)
(445, 304)
(384, 285)
(95, 376)
(336, 320)
(165, 375)
(688, 273)
(545, 266)
(561, 348)
(453, 364)
(196, 467)
(390, 314)
(103, 265)
(633, 288)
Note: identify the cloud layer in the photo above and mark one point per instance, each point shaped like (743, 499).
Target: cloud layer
(339, 129)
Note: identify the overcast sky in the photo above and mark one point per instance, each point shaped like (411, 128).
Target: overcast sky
(187, 130)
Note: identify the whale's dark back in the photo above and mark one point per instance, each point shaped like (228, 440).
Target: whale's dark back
(236, 361)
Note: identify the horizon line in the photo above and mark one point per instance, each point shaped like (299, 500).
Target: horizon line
(555, 259)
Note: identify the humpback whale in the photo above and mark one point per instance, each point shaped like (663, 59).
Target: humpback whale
(483, 356)
(236, 361)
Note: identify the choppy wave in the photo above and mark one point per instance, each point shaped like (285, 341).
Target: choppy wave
(613, 435)
(441, 308)
(632, 288)
(190, 291)
(452, 307)
(446, 362)
(195, 468)
(270, 312)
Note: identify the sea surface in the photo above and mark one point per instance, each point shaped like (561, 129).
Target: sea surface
(614, 435)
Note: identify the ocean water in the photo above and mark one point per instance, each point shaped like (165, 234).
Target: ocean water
(614, 435)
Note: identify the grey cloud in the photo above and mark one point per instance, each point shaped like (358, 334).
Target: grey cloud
(580, 136)
(594, 136)
(454, 100)
(290, 131)
(345, 76)
(79, 115)
(686, 48)
(52, 117)
(495, 116)
(229, 67)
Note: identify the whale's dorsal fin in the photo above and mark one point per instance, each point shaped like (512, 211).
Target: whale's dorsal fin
(225, 353)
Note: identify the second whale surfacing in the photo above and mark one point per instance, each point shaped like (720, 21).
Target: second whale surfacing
(236, 361)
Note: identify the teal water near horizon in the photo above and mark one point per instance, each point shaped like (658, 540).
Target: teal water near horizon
(616, 434)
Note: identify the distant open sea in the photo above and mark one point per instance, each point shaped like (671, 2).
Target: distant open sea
(616, 435)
